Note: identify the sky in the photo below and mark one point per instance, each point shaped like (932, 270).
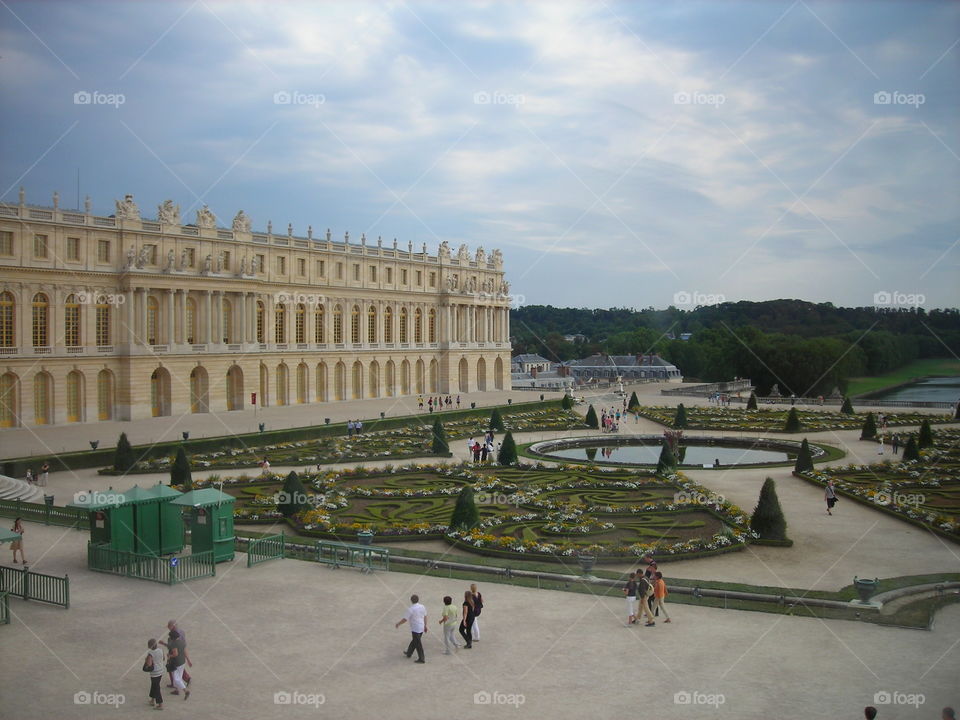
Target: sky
(619, 154)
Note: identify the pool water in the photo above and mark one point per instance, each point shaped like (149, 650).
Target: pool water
(695, 455)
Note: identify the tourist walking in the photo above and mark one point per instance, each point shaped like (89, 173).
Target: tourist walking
(659, 595)
(153, 664)
(477, 608)
(29, 477)
(171, 626)
(265, 466)
(466, 619)
(830, 495)
(895, 444)
(349, 428)
(448, 620)
(880, 448)
(420, 403)
(630, 592)
(644, 592)
(44, 474)
(17, 545)
(417, 617)
(177, 660)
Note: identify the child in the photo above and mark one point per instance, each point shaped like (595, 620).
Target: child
(449, 619)
(660, 594)
(630, 591)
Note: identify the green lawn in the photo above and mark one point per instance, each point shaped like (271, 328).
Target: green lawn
(916, 369)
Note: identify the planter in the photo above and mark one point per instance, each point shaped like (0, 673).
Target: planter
(586, 563)
(365, 537)
(865, 588)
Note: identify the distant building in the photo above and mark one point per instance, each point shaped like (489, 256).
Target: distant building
(578, 338)
(528, 362)
(629, 367)
(530, 370)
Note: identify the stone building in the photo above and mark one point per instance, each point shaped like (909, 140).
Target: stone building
(628, 367)
(122, 317)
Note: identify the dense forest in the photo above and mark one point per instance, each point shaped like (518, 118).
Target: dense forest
(806, 348)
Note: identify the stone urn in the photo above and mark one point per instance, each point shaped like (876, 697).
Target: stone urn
(865, 588)
(365, 537)
(587, 562)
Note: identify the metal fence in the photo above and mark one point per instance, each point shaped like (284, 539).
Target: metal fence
(4, 608)
(46, 513)
(169, 570)
(29, 585)
(365, 557)
(271, 547)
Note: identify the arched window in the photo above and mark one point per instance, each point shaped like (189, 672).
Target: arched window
(418, 326)
(319, 332)
(403, 325)
(301, 323)
(41, 317)
(372, 325)
(227, 325)
(191, 329)
(282, 385)
(388, 324)
(7, 315)
(261, 322)
(103, 326)
(8, 400)
(280, 324)
(75, 396)
(105, 395)
(42, 401)
(71, 322)
(355, 325)
(153, 312)
(432, 326)
(338, 327)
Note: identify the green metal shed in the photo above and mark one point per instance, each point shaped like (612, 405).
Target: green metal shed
(211, 521)
(111, 518)
(170, 518)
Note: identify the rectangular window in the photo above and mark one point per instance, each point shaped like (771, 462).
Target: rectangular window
(282, 265)
(151, 254)
(6, 242)
(403, 277)
(373, 273)
(389, 276)
(191, 257)
(339, 271)
(301, 267)
(103, 324)
(40, 249)
(356, 271)
(433, 279)
(71, 324)
(261, 266)
(103, 251)
(321, 268)
(73, 248)
(226, 259)
(419, 278)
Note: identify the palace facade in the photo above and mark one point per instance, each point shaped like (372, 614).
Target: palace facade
(122, 317)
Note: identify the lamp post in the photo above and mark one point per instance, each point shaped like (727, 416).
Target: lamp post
(186, 434)
(94, 444)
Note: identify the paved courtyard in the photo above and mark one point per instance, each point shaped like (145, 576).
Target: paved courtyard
(288, 630)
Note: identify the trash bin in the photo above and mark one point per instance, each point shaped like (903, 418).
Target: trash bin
(48, 501)
(365, 537)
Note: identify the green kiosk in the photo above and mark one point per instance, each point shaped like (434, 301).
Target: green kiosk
(141, 521)
(211, 521)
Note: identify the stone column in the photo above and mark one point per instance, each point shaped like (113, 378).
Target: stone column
(169, 318)
(142, 324)
(128, 317)
(207, 312)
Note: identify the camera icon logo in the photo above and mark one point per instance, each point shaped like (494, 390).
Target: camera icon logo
(82, 97)
(281, 97)
(882, 298)
(282, 697)
(681, 98)
(682, 298)
(682, 698)
(481, 98)
(882, 698)
(82, 698)
(482, 698)
(882, 97)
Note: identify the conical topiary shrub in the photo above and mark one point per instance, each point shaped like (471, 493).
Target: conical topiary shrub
(591, 418)
(180, 471)
(752, 401)
(793, 421)
(465, 513)
(439, 446)
(567, 402)
(293, 496)
(847, 407)
(667, 462)
(496, 420)
(508, 451)
(680, 419)
(124, 458)
(925, 438)
(804, 458)
(591, 453)
(910, 450)
(768, 520)
(869, 430)
(633, 404)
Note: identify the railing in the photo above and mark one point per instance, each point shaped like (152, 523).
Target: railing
(365, 557)
(29, 585)
(190, 231)
(76, 350)
(199, 348)
(150, 226)
(168, 570)
(104, 348)
(47, 514)
(260, 550)
(781, 400)
(4, 608)
(708, 389)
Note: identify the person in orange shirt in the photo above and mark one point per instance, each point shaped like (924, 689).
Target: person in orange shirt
(659, 595)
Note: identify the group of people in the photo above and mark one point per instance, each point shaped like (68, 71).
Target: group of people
(610, 420)
(39, 477)
(649, 589)
(451, 621)
(175, 664)
(438, 403)
(354, 427)
(483, 452)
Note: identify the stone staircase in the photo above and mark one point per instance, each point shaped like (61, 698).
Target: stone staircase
(13, 489)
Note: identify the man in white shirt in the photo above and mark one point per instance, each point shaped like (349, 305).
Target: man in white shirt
(417, 617)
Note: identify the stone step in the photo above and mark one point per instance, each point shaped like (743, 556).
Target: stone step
(14, 489)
